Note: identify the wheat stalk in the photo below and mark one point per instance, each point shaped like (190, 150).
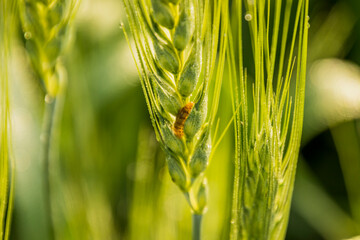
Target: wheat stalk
(7, 168)
(268, 126)
(46, 25)
(175, 43)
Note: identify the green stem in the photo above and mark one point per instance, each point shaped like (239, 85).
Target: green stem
(196, 228)
(47, 139)
(234, 223)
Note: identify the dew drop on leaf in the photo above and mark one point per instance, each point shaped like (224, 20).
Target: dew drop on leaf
(27, 35)
(248, 17)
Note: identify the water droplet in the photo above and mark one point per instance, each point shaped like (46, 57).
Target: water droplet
(307, 21)
(48, 98)
(248, 17)
(121, 25)
(27, 35)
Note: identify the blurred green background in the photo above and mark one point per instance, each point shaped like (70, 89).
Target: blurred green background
(109, 177)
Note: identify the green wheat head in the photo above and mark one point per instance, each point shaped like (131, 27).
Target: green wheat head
(268, 125)
(45, 25)
(7, 24)
(176, 45)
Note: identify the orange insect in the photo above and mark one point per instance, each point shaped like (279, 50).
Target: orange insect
(181, 118)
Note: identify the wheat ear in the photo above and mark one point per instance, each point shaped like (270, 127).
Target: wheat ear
(268, 125)
(46, 26)
(175, 46)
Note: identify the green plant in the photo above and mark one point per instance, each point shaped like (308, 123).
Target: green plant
(7, 168)
(175, 48)
(268, 125)
(46, 25)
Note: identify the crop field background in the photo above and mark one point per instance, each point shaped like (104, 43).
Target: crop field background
(109, 178)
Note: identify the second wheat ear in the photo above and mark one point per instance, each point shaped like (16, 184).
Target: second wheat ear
(269, 122)
(46, 27)
(175, 51)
